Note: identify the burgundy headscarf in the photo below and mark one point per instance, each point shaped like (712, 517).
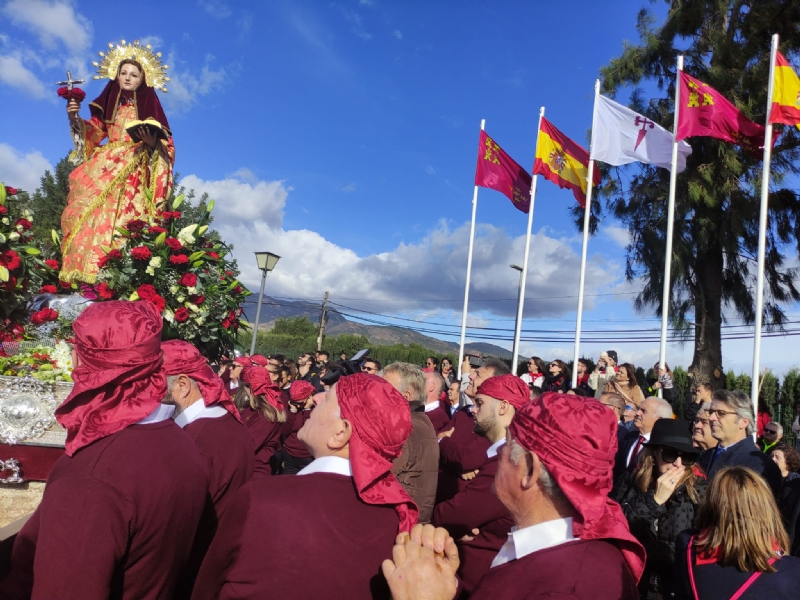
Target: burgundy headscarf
(381, 423)
(241, 360)
(506, 387)
(301, 390)
(147, 104)
(120, 379)
(261, 385)
(576, 441)
(181, 358)
(261, 361)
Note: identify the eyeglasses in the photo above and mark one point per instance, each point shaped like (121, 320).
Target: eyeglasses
(555, 365)
(670, 455)
(771, 431)
(366, 369)
(701, 421)
(720, 413)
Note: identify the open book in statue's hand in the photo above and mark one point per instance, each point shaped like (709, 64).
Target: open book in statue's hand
(153, 127)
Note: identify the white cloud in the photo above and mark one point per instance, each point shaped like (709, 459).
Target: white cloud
(14, 74)
(398, 34)
(430, 170)
(619, 235)
(187, 87)
(237, 200)
(53, 21)
(350, 187)
(20, 170)
(217, 9)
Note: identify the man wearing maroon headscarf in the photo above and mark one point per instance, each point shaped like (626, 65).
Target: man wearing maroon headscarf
(295, 455)
(475, 507)
(205, 411)
(569, 541)
(323, 533)
(121, 507)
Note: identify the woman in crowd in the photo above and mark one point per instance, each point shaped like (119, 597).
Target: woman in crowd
(536, 372)
(558, 380)
(764, 417)
(447, 371)
(663, 382)
(292, 366)
(661, 500)
(259, 402)
(624, 384)
(739, 547)
(788, 461)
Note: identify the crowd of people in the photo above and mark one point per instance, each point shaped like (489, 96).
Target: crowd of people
(278, 478)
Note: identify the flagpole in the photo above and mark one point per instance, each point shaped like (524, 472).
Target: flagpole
(524, 275)
(762, 232)
(587, 214)
(673, 178)
(469, 271)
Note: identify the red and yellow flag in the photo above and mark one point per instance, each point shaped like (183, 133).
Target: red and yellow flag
(498, 171)
(562, 161)
(786, 94)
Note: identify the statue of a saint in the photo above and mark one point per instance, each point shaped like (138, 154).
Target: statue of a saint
(126, 178)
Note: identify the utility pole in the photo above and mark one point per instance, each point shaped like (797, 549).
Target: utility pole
(322, 319)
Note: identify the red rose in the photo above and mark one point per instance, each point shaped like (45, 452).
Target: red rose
(11, 191)
(197, 300)
(52, 263)
(160, 303)
(114, 254)
(179, 259)
(10, 285)
(65, 284)
(212, 255)
(173, 243)
(48, 289)
(10, 260)
(76, 93)
(146, 291)
(226, 323)
(141, 253)
(188, 279)
(157, 229)
(229, 273)
(135, 225)
(181, 314)
(26, 225)
(237, 289)
(170, 215)
(43, 316)
(3, 210)
(105, 292)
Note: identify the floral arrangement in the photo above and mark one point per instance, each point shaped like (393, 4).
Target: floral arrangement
(23, 271)
(44, 364)
(186, 274)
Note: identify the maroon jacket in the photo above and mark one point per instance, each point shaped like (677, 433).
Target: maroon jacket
(476, 507)
(266, 439)
(439, 418)
(461, 452)
(117, 519)
(581, 570)
(294, 422)
(306, 537)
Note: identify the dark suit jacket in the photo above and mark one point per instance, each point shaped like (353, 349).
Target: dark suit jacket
(620, 461)
(744, 454)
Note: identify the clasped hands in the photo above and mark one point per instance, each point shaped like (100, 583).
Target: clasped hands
(423, 566)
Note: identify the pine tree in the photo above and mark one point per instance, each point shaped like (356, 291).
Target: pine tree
(726, 45)
(49, 201)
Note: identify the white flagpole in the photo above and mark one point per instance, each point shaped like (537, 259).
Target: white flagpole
(524, 275)
(762, 231)
(587, 213)
(673, 177)
(469, 272)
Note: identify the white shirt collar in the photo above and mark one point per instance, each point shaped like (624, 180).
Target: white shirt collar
(161, 413)
(328, 464)
(527, 540)
(431, 406)
(491, 452)
(199, 410)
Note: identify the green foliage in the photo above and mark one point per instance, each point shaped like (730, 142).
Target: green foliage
(48, 202)
(726, 45)
(295, 326)
(790, 390)
(683, 395)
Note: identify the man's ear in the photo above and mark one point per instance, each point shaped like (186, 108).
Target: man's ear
(341, 437)
(532, 468)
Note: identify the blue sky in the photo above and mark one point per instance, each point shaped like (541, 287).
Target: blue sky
(343, 136)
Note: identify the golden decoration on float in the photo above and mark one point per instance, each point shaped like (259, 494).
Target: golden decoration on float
(155, 71)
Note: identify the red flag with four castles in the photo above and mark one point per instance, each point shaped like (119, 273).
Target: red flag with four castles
(498, 171)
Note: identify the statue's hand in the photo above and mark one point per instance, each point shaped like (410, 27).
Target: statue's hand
(147, 137)
(73, 107)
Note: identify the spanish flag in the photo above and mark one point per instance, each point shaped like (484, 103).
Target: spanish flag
(562, 161)
(786, 94)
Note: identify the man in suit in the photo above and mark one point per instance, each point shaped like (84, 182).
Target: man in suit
(733, 424)
(651, 410)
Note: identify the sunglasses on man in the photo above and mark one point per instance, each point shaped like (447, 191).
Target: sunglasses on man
(771, 431)
(670, 455)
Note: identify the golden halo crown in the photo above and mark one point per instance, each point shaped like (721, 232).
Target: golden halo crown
(154, 71)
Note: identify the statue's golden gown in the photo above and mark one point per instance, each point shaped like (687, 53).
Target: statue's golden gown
(108, 189)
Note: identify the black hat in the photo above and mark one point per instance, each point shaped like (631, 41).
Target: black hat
(672, 433)
(613, 354)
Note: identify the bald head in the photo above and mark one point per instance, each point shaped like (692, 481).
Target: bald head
(434, 386)
(651, 410)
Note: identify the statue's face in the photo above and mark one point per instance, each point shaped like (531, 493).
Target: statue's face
(129, 77)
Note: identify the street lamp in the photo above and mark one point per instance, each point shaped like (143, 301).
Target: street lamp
(266, 262)
(515, 349)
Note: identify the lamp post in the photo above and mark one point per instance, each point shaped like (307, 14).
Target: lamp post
(515, 349)
(266, 262)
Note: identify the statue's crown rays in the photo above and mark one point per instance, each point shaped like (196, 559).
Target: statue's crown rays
(155, 71)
